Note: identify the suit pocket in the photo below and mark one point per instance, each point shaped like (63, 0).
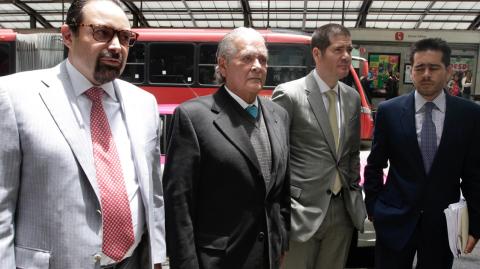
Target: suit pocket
(211, 241)
(30, 258)
(295, 192)
(391, 200)
(212, 251)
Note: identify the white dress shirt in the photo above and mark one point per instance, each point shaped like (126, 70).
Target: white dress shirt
(240, 101)
(438, 114)
(114, 112)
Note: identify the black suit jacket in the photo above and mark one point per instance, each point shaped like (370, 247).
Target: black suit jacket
(410, 193)
(216, 201)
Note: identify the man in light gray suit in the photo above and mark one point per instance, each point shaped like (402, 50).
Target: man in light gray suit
(325, 145)
(79, 163)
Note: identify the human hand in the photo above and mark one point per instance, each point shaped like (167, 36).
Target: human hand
(471, 242)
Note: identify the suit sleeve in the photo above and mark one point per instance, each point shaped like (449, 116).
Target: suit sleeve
(471, 180)
(280, 97)
(376, 162)
(355, 151)
(158, 231)
(10, 164)
(181, 171)
(285, 205)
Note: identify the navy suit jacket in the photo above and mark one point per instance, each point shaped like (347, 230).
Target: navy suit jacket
(409, 193)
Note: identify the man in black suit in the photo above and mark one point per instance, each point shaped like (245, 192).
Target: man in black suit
(226, 177)
(431, 140)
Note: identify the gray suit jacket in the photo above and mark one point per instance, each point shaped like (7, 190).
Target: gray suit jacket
(314, 160)
(50, 214)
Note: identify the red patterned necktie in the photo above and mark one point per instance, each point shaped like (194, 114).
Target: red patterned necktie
(116, 216)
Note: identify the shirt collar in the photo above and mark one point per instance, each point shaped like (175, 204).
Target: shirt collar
(239, 100)
(322, 85)
(81, 84)
(439, 101)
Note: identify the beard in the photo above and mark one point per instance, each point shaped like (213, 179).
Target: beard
(105, 73)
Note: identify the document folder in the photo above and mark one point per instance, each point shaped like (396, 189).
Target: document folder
(456, 215)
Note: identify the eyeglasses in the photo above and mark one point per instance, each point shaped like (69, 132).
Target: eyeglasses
(102, 33)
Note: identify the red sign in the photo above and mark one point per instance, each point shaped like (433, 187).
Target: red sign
(399, 36)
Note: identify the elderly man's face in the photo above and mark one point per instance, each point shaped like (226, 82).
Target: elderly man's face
(246, 71)
(99, 62)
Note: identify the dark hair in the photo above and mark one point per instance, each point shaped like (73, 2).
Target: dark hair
(75, 14)
(436, 44)
(321, 36)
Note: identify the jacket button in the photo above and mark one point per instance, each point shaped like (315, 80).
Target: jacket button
(261, 236)
(329, 192)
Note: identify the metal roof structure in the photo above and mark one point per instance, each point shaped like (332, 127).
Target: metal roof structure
(291, 14)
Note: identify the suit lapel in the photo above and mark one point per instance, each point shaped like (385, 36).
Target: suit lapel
(131, 122)
(347, 112)
(58, 97)
(271, 122)
(315, 99)
(451, 119)
(229, 122)
(407, 121)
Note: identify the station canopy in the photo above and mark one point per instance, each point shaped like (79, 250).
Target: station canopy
(292, 14)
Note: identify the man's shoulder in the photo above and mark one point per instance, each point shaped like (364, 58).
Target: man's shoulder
(270, 104)
(348, 89)
(198, 104)
(293, 85)
(27, 77)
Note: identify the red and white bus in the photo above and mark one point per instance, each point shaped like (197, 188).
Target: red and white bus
(7, 51)
(178, 64)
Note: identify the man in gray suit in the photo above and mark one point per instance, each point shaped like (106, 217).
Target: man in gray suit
(79, 163)
(324, 143)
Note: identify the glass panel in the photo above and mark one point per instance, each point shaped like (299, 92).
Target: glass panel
(165, 122)
(4, 59)
(206, 66)
(171, 63)
(287, 62)
(135, 69)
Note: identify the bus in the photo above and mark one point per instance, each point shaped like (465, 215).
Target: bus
(7, 51)
(179, 64)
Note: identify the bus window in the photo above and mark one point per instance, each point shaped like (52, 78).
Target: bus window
(206, 64)
(287, 62)
(4, 59)
(171, 63)
(135, 68)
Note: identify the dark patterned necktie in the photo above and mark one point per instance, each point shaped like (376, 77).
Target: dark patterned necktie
(428, 137)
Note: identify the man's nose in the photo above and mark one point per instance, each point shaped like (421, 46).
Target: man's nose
(427, 73)
(115, 43)
(256, 65)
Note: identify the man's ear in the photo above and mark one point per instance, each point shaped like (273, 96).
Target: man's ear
(316, 53)
(67, 35)
(450, 71)
(222, 62)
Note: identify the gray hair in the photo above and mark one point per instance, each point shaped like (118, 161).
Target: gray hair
(227, 48)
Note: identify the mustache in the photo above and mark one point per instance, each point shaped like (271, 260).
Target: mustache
(109, 54)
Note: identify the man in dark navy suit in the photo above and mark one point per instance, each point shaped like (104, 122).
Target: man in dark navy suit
(431, 141)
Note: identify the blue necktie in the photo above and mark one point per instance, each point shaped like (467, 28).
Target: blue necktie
(428, 137)
(252, 110)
